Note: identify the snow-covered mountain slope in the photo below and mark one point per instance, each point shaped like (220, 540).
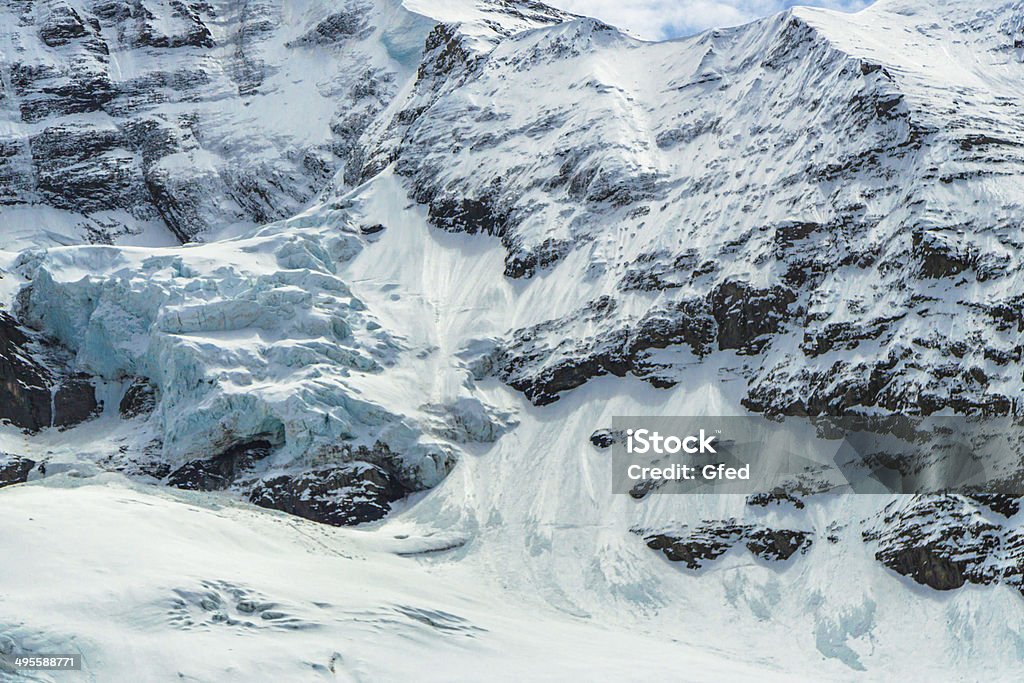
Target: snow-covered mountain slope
(289, 600)
(770, 189)
(154, 121)
(537, 224)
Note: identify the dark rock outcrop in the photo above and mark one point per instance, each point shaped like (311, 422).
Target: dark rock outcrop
(777, 544)
(25, 398)
(62, 25)
(709, 541)
(151, 29)
(941, 256)
(336, 28)
(542, 362)
(32, 395)
(929, 565)
(138, 399)
(606, 438)
(776, 496)
(222, 470)
(704, 544)
(945, 542)
(340, 496)
(1002, 504)
(14, 469)
(84, 167)
(745, 315)
(75, 401)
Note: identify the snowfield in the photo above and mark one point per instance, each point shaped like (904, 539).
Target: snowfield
(154, 584)
(158, 586)
(395, 266)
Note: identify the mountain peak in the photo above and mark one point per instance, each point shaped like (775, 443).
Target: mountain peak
(490, 17)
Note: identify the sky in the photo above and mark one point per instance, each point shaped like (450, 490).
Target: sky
(660, 19)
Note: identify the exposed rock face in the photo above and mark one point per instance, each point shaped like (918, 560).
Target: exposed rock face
(942, 541)
(14, 469)
(175, 143)
(24, 384)
(543, 362)
(776, 496)
(32, 396)
(75, 401)
(1005, 505)
(139, 399)
(945, 542)
(606, 438)
(344, 25)
(696, 547)
(703, 545)
(777, 544)
(222, 470)
(62, 25)
(746, 315)
(339, 496)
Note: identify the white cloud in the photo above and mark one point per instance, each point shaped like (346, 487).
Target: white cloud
(659, 19)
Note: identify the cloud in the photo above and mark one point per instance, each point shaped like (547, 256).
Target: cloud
(660, 19)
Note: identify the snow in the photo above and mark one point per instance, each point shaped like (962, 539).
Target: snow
(512, 598)
(499, 543)
(312, 332)
(145, 582)
(247, 338)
